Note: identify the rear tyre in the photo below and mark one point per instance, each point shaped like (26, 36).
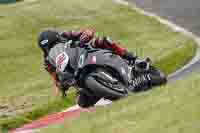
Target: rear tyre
(157, 77)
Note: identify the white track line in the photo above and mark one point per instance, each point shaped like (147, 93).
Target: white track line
(175, 28)
(161, 20)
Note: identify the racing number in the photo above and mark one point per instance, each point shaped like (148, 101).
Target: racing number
(62, 61)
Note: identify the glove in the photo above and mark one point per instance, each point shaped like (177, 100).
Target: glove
(129, 57)
(62, 88)
(86, 36)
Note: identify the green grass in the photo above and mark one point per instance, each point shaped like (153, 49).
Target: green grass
(26, 87)
(178, 58)
(173, 108)
(29, 116)
(9, 1)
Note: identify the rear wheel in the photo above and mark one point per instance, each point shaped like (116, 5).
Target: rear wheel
(157, 77)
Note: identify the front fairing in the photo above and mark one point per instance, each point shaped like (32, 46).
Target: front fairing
(80, 58)
(106, 58)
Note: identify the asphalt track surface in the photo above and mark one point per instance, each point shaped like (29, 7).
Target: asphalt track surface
(185, 13)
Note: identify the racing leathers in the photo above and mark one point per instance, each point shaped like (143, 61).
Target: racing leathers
(82, 36)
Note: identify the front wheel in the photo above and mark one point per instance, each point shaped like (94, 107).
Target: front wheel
(103, 85)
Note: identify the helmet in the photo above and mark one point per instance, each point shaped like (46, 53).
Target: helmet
(47, 39)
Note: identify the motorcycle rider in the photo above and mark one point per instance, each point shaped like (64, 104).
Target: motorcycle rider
(50, 37)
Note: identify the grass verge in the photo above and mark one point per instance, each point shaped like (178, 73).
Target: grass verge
(171, 108)
(33, 114)
(178, 57)
(26, 89)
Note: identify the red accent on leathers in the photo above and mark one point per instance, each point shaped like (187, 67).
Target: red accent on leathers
(84, 36)
(101, 42)
(73, 35)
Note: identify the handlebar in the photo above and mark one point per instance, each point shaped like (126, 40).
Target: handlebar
(143, 65)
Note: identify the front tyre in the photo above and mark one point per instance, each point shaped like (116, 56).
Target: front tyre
(102, 85)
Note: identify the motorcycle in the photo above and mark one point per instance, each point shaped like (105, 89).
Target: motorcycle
(100, 74)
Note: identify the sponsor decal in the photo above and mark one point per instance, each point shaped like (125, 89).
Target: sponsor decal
(123, 71)
(81, 60)
(62, 61)
(44, 42)
(93, 60)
